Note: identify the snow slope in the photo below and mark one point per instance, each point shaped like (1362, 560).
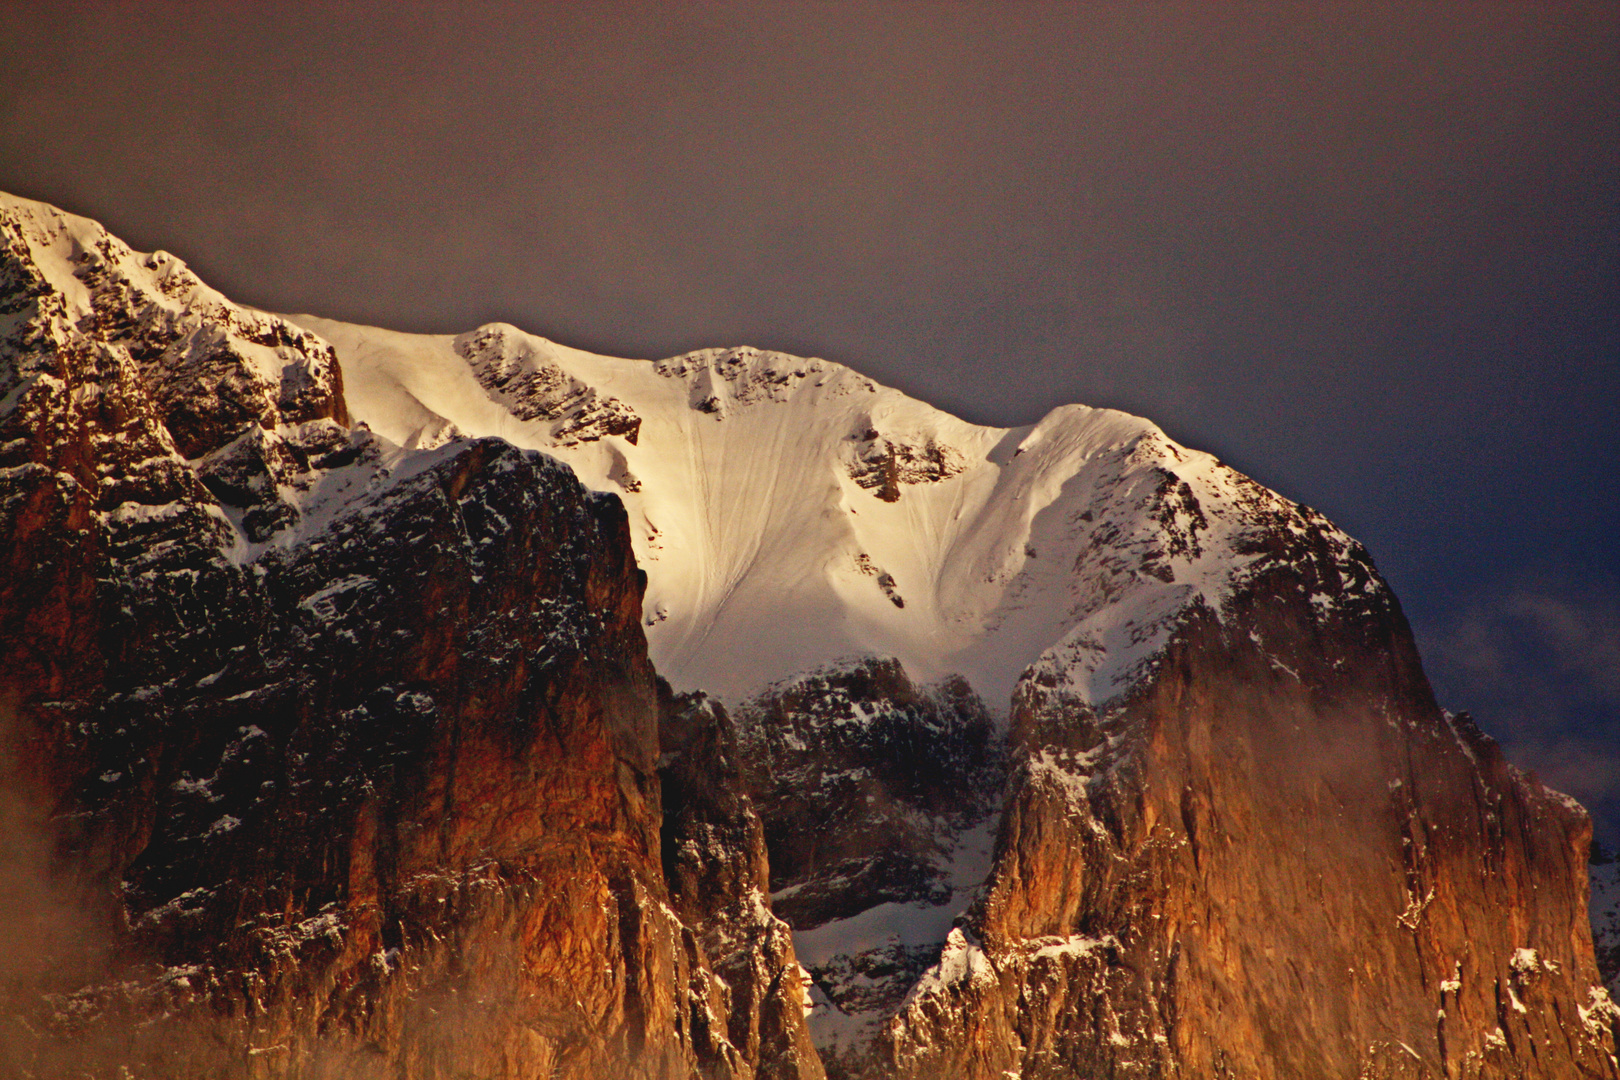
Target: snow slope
(791, 512)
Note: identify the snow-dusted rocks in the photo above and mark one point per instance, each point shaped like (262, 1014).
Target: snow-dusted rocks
(879, 801)
(753, 1006)
(338, 756)
(1299, 865)
(533, 387)
(352, 725)
(864, 779)
(883, 464)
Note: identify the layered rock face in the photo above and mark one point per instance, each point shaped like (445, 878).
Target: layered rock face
(343, 755)
(1276, 857)
(335, 752)
(535, 390)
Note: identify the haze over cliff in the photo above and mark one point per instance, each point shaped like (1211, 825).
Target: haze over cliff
(1046, 752)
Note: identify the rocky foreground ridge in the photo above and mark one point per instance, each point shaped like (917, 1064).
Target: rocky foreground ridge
(334, 749)
(344, 757)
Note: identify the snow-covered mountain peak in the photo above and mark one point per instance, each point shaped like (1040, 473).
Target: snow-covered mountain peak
(208, 355)
(791, 511)
(297, 687)
(788, 511)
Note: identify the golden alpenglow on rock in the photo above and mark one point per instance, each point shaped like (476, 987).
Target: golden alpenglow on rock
(409, 706)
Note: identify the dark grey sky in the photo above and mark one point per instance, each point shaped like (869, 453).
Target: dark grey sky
(1369, 253)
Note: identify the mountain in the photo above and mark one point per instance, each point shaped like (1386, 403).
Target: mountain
(767, 490)
(336, 758)
(337, 748)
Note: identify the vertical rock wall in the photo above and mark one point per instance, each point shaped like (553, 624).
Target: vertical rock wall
(1276, 859)
(344, 757)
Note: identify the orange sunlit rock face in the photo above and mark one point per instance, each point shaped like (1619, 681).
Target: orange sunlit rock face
(376, 798)
(326, 756)
(1278, 859)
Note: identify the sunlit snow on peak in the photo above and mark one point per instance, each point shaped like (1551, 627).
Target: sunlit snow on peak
(790, 511)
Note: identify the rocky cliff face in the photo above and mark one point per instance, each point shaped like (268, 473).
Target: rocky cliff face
(878, 800)
(1274, 858)
(344, 754)
(334, 752)
(862, 780)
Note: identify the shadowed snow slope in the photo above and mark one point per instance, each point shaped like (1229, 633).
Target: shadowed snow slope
(790, 512)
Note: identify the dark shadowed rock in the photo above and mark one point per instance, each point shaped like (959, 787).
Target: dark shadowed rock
(862, 778)
(346, 753)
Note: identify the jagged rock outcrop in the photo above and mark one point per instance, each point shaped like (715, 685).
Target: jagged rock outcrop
(344, 755)
(877, 797)
(882, 464)
(534, 387)
(718, 872)
(862, 779)
(718, 380)
(1276, 857)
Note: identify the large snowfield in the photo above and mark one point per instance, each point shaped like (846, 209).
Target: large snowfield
(791, 512)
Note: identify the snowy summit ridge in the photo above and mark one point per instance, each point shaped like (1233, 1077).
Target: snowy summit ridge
(791, 512)
(342, 718)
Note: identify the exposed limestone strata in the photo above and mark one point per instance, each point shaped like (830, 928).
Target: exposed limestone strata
(1276, 858)
(346, 753)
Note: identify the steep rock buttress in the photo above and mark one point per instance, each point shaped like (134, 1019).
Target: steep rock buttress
(1273, 856)
(345, 745)
(344, 756)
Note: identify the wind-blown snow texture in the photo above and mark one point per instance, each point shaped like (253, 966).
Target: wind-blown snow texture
(1179, 648)
(769, 492)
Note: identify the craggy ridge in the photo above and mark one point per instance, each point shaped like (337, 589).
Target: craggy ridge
(334, 745)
